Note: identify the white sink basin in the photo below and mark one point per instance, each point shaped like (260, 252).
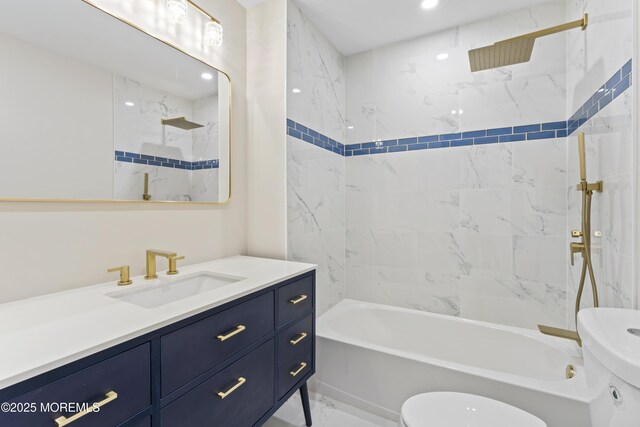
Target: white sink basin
(163, 291)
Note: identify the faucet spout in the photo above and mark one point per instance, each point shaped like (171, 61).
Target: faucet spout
(151, 261)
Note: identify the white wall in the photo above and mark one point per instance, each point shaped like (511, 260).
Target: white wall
(48, 247)
(56, 125)
(267, 47)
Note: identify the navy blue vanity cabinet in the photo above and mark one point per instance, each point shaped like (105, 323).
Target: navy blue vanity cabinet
(236, 397)
(194, 349)
(295, 299)
(122, 381)
(231, 366)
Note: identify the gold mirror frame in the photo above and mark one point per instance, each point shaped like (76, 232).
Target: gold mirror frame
(147, 202)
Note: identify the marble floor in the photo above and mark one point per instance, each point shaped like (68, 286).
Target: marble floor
(325, 413)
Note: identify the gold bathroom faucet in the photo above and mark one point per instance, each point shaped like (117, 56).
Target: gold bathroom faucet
(151, 262)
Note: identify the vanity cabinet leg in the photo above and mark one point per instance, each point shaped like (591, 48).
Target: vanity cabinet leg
(304, 394)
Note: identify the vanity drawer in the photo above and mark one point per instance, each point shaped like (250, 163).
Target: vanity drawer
(121, 382)
(294, 299)
(295, 337)
(293, 369)
(192, 350)
(248, 384)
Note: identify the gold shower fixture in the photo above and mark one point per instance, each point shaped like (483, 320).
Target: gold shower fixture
(181, 123)
(517, 49)
(583, 247)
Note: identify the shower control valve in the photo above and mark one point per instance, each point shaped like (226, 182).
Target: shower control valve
(576, 248)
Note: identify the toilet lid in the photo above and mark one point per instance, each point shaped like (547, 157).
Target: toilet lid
(445, 409)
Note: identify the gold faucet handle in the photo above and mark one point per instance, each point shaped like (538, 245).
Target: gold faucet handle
(173, 265)
(576, 234)
(124, 275)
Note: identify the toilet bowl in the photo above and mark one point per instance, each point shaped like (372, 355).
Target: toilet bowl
(445, 409)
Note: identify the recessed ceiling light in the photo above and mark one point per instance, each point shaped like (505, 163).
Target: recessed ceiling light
(129, 104)
(429, 4)
(206, 76)
(461, 111)
(296, 90)
(442, 56)
(454, 112)
(349, 127)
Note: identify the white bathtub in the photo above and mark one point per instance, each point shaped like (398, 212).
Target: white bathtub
(375, 356)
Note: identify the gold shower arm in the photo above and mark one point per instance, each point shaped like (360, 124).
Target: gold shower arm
(553, 30)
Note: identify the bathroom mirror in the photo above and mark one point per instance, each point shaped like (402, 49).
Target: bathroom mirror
(92, 108)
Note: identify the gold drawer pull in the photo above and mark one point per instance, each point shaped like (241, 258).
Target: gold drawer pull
(297, 300)
(300, 369)
(109, 397)
(300, 338)
(236, 331)
(223, 394)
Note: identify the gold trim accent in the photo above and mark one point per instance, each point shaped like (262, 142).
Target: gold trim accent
(181, 123)
(295, 301)
(124, 275)
(560, 333)
(204, 12)
(224, 394)
(151, 261)
(145, 195)
(297, 371)
(155, 202)
(236, 331)
(64, 421)
(570, 372)
(297, 340)
(173, 270)
(516, 50)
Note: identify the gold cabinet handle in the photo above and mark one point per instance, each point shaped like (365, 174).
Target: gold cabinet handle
(109, 397)
(297, 371)
(300, 338)
(235, 332)
(297, 300)
(223, 394)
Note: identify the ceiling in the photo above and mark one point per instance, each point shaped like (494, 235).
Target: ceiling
(355, 26)
(81, 32)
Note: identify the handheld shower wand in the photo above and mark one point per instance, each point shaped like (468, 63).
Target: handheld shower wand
(583, 247)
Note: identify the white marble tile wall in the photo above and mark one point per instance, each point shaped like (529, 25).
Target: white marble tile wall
(593, 56)
(137, 129)
(403, 90)
(317, 70)
(475, 232)
(316, 177)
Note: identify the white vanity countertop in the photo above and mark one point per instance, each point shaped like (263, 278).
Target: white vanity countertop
(42, 333)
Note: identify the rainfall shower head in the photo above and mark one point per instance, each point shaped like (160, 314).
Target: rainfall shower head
(181, 123)
(516, 50)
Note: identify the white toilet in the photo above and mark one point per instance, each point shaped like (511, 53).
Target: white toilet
(611, 347)
(445, 409)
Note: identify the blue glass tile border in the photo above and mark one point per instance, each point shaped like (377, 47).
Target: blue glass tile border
(164, 162)
(311, 136)
(614, 87)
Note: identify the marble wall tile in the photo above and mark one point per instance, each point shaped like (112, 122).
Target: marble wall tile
(317, 70)
(592, 57)
(402, 90)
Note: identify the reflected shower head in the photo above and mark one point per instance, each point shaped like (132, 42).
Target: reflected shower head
(516, 50)
(181, 123)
